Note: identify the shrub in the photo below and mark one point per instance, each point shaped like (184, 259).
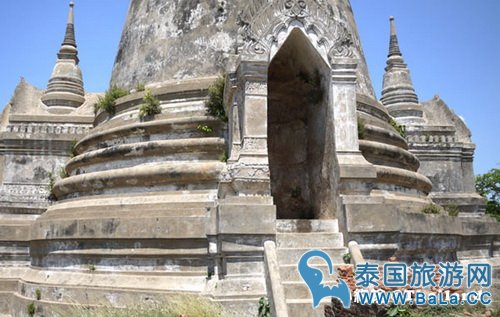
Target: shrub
(223, 157)
(431, 209)
(107, 103)
(38, 294)
(91, 267)
(347, 258)
(63, 173)
(399, 311)
(264, 307)
(452, 210)
(361, 128)
(205, 128)
(52, 182)
(140, 87)
(150, 106)
(31, 309)
(215, 102)
(401, 129)
(72, 149)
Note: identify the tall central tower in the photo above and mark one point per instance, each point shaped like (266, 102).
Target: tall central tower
(172, 40)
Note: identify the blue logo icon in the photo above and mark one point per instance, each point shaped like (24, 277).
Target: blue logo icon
(314, 280)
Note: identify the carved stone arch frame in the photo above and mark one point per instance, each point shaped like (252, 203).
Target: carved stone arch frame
(264, 32)
(282, 32)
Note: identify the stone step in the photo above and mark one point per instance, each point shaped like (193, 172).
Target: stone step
(290, 273)
(147, 152)
(305, 225)
(293, 255)
(311, 240)
(156, 130)
(145, 201)
(303, 308)
(173, 175)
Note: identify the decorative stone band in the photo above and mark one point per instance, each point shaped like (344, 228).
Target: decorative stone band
(97, 139)
(384, 136)
(48, 128)
(344, 70)
(404, 178)
(390, 155)
(126, 155)
(433, 138)
(372, 107)
(169, 173)
(24, 192)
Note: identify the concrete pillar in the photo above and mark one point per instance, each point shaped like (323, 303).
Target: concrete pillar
(343, 98)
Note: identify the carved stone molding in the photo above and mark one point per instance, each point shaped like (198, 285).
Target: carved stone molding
(262, 21)
(48, 128)
(255, 88)
(24, 192)
(241, 170)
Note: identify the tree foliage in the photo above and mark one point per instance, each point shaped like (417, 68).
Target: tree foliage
(488, 186)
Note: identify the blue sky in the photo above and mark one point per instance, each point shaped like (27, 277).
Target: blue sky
(451, 46)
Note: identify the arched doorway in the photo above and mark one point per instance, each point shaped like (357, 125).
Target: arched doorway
(300, 131)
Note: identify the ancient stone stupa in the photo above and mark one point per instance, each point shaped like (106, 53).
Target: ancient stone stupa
(182, 201)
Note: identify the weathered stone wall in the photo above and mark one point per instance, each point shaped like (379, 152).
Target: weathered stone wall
(165, 40)
(392, 230)
(445, 150)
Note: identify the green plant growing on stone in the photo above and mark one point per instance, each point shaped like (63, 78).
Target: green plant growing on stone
(452, 210)
(205, 128)
(91, 267)
(223, 157)
(150, 105)
(361, 129)
(140, 87)
(63, 173)
(38, 294)
(347, 257)
(52, 182)
(399, 311)
(264, 307)
(401, 129)
(107, 103)
(215, 102)
(31, 309)
(72, 149)
(432, 209)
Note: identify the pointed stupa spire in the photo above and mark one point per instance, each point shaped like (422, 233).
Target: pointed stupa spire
(394, 44)
(69, 38)
(65, 89)
(398, 94)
